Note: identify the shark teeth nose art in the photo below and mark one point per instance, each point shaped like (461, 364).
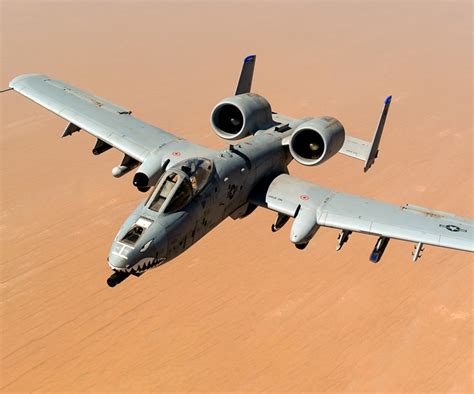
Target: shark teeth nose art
(144, 265)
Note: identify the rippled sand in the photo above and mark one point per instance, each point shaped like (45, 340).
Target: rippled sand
(243, 309)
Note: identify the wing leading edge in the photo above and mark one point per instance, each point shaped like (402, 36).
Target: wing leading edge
(113, 126)
(310, 203)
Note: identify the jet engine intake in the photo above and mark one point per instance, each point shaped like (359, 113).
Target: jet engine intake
(317, 140)
(239, 116)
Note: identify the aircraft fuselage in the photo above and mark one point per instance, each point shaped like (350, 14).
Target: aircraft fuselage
(236, 173)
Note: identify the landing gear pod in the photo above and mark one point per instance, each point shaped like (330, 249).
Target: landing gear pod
(304, 227)
(127, 165)
(302, 245)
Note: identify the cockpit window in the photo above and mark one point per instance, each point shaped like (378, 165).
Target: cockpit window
(165, 190)
(174, 192)
(180, 184)
(132, 235)
(199, 171)
(183, 195)
(136, 231)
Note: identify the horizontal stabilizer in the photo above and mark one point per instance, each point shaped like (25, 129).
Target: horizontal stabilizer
(356, 148)
(364, 150)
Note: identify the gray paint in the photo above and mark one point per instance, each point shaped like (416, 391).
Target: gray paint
(251, 172)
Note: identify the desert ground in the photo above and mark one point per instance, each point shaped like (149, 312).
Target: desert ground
(243, 310)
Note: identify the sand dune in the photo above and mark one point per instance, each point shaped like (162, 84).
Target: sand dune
(243, 309)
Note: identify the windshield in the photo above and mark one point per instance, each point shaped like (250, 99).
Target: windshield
(132, 235)
(163, 192)
(174, 191)
(181, 197)
(136, 231)
(179, 185)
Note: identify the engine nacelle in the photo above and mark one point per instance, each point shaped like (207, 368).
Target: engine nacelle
(238, 116)
(317, 140)
(149, 172)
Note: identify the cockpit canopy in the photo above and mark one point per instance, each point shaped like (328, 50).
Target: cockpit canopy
(178, 186)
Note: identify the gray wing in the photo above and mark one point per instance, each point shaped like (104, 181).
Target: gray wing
(108, 122)
(310, 203)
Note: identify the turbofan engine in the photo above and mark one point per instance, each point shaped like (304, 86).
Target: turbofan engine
(238, 116)
(317, 140)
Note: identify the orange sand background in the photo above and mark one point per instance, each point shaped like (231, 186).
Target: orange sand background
(243, 309)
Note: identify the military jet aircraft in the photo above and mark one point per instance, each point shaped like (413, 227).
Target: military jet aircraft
(194, 188)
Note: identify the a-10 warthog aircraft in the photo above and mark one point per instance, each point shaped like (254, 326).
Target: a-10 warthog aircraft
(195, 188)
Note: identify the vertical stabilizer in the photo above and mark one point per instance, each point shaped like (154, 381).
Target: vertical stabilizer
(246, 75)
(374, 148)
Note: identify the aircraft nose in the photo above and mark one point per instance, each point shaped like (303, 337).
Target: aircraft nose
(147, 251)
(117, 262)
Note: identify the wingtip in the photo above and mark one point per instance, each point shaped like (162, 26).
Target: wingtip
(250, 58)
(388, 100)
(21, 77)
